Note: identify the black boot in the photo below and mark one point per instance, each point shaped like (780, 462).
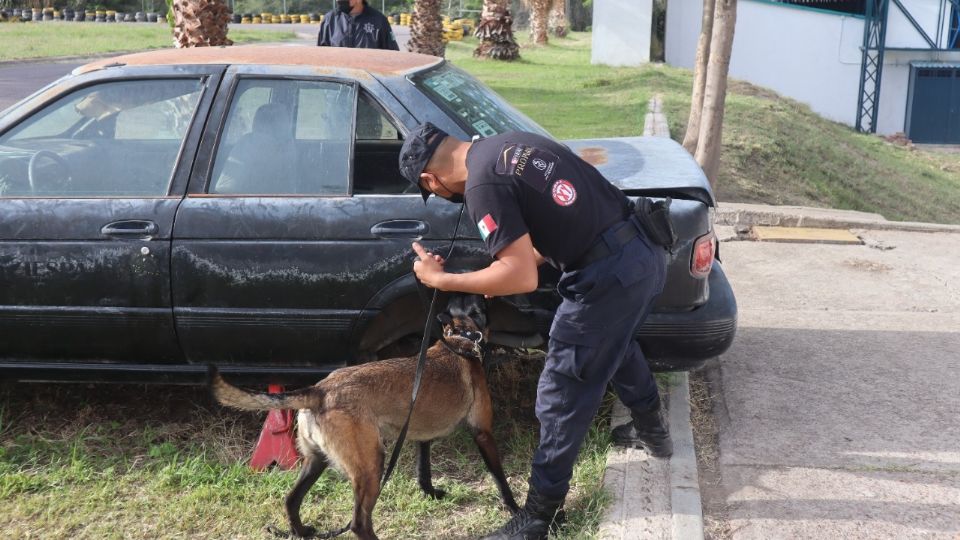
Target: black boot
(647, 431)
(538, 516)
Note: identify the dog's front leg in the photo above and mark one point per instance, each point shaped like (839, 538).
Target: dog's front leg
(488, 450)
(424, 475)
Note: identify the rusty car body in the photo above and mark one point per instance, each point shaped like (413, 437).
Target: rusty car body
(242, 206)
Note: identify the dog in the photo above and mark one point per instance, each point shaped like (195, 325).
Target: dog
(345, 418)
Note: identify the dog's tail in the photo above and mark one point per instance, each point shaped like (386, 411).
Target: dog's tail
(231, 396)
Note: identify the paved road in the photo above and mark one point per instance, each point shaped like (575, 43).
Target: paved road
(840, 398)
(19, 80)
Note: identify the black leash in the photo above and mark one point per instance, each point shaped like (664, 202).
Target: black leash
(417, 378)
(398, 445)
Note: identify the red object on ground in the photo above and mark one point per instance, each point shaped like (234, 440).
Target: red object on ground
(276, 444)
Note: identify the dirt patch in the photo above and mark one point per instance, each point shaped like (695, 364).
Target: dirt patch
(867, 266)
(747, 89)
(704, 392)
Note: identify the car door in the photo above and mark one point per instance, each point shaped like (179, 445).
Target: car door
(280, 244)
(91, 173)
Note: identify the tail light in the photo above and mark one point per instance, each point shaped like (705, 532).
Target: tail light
(702, 260)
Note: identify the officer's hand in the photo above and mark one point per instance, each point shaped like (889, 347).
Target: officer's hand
(429, 269)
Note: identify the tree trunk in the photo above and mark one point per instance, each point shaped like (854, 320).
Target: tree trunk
(495, 32)
(699, 78)
(539, 13)
(580, 16)
(200, 23)
(426, 29)
(558, 18)
(715, 90)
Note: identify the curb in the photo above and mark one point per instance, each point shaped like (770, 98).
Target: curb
(655, 498)
(652, 497)
(743, 214)
(684, 479)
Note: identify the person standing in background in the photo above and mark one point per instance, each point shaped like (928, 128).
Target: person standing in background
(357, 25)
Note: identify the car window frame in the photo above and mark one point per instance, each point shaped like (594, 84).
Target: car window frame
(213, 132)
(209, 75)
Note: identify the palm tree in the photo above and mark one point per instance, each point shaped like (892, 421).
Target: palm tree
(558, 18)
(200, 23)
(495, 32)
(539, 15)
(426, 29)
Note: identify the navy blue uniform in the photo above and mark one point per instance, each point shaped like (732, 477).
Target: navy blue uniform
(521, 183)
(367, 30)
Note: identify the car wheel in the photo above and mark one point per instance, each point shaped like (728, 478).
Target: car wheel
(394, 332)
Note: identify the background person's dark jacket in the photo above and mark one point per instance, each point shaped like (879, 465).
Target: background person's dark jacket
(369, 30)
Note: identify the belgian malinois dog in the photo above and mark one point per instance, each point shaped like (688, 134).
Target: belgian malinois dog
(345, 418)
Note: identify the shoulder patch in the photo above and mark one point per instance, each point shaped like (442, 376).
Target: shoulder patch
(486, 226)
(535, 166)
(564, 194)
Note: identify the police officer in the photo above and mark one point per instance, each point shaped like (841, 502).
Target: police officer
(535, 201)
(355, 24)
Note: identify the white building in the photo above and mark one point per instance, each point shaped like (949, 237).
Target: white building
(621, 34)
(815, 56)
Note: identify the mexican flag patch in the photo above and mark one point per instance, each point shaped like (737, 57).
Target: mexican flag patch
(486, 225)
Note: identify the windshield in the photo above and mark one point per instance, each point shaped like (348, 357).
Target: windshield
(476, 108)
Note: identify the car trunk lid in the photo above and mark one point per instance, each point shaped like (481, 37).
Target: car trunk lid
(653, 166)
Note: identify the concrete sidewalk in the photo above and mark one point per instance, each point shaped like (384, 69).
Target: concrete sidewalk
(837, 404)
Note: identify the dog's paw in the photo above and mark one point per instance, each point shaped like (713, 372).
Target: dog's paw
(276, 531)
(435, 493)
(305, 532)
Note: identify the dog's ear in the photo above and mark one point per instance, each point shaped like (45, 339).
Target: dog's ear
(444, 318)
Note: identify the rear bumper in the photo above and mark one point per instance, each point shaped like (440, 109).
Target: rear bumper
(685, 340)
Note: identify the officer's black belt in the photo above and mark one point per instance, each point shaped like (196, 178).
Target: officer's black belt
(601, 250)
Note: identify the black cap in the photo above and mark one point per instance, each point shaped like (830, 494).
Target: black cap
(417, 151)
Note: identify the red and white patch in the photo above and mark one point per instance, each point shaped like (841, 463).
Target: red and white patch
(564, 193)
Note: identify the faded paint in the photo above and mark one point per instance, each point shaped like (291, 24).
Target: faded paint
(593, 155)
(371, 60)
(248, 274)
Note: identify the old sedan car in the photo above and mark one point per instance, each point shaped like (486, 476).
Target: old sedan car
(242, 206)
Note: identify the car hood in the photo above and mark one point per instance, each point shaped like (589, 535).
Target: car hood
(646, 165)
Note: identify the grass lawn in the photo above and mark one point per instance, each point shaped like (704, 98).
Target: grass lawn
(52, 39)
(126, 461)
(776, 150)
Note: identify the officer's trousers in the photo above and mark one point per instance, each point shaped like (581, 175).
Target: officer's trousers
(592, 344)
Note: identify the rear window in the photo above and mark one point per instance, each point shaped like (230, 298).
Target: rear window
(470, 103)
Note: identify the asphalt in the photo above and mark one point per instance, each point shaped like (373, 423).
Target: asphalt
(19, 79)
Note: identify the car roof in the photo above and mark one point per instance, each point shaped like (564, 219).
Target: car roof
(374, 61)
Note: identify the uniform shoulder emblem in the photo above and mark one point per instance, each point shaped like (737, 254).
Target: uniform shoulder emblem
(535, 166)
(564, 194)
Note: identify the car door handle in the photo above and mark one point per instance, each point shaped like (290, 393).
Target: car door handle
(400, 228)
(130, 228)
